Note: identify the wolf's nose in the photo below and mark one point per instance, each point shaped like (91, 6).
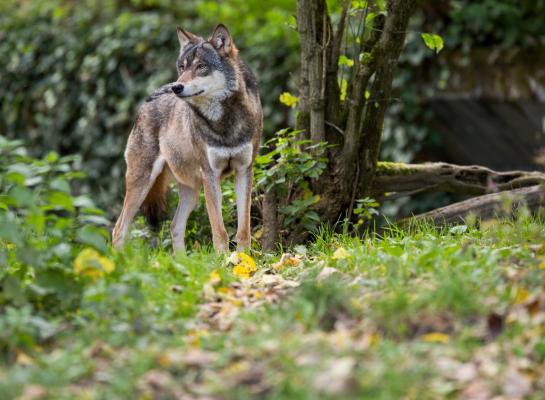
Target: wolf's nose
(178, 88)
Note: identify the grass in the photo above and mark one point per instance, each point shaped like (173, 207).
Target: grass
(423, 314)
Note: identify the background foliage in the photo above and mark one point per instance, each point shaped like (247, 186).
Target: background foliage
(75, 73)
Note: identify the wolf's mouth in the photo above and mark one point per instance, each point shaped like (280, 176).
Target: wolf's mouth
(192, 95)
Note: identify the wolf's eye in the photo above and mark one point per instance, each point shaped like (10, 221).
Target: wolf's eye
(201, 67)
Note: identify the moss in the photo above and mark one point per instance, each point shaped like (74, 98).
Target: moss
(393, 168)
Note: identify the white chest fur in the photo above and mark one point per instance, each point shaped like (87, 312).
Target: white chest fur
(221, 158)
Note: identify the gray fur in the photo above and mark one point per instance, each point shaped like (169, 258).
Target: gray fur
(215, 112)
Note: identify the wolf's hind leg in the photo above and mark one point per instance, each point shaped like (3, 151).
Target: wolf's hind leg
(188, 197)
(139, 179)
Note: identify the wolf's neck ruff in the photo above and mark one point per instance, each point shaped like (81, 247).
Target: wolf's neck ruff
(229, 127)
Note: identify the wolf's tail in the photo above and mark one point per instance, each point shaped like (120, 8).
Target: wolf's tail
(155, 207)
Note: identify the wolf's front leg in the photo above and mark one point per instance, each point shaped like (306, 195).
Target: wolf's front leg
(212, 195)
(243, 190)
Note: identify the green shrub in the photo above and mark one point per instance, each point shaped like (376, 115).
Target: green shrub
(43, 228)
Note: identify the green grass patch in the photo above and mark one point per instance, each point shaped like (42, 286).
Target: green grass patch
(422, 314)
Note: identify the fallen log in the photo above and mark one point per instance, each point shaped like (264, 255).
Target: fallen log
(486, 207)
(398, 179)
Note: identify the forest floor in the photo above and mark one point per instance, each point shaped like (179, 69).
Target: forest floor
(424, 314)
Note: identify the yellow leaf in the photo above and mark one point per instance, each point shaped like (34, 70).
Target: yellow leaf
(340, 254)
(521, 295)
(258, 295)
(214, 277)
(288, 99)
(164, 360)
(248, 260)
(542, 264)
(193, 337)
(24, 359)
(287, 260)
(375, 338)
(306, 193)
(436, 337)
(224, 290)
(258, 234)
(244, 265)
(91, 264)
(242, 271)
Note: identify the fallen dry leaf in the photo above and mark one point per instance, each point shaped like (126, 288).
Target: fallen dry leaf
(340, 254)
(287, 260)
(24, 359)
(476, 390)
(436, 337)
(33, 392)
(326, 272)
(193, 357)
(244, 265)
(515, 385)
(521, 295)
(160, 385)
(214, 277)
(335, 378)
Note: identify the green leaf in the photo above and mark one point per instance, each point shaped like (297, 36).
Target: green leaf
(288, 99)
(344, 60)
(59, 200)
(21, 197)
(9, 231)
(37, 220)
(13, 290)
(83, 202)
(344, 87)
(359, 4)
(93, 236)
(433, 41)
(60, 184)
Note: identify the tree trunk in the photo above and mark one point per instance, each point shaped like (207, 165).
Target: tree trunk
(270, 220)
(386, 53)
(354, 126)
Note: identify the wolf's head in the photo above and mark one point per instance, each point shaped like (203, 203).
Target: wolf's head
(206, 68)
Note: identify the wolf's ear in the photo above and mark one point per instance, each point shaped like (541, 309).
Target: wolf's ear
(222, 41)
(184, 37)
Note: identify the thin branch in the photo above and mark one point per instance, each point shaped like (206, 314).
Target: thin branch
(354, 191)
(337, 128)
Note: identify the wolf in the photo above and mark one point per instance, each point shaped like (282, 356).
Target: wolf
(195, 132)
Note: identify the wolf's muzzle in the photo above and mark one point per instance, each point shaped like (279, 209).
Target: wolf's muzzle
(178, 89)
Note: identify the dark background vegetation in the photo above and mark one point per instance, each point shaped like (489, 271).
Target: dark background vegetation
(73, 74)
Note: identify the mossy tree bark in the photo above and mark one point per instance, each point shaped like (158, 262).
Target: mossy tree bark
(398, 179)
(353, 125)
